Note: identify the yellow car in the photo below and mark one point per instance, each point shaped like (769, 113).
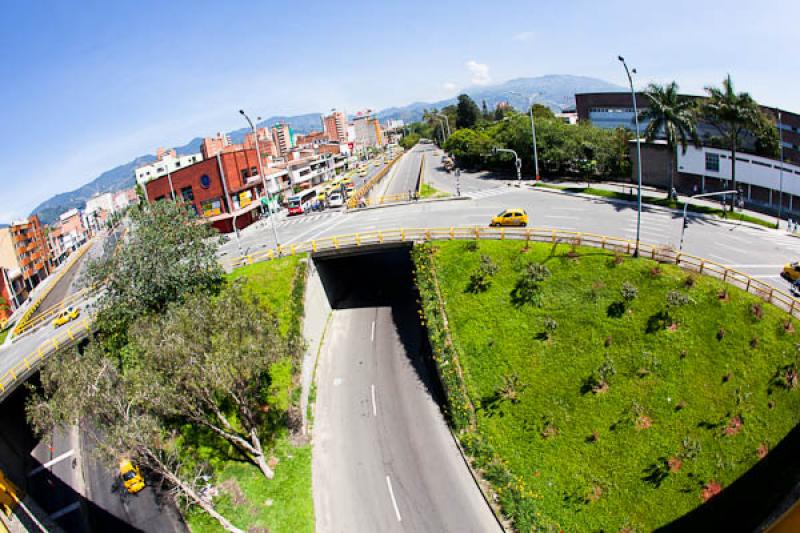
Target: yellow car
(131, 476)
(511, 217)
(67, 315)
(791, 271)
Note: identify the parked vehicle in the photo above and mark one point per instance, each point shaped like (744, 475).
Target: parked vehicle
(67, 315)
(336, 200)
(511, 217)
(131, 476)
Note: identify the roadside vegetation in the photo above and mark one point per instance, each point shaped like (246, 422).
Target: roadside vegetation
(595, 391)
(429, 191)
(192, 375)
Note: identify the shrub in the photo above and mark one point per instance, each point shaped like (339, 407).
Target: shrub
(655, 272)
(690, 281)
(757, 311)
(629, 292)
(528, 287)
(471, 246)
(677, 299)
(481, 279)
(550, 326)
(598, 381)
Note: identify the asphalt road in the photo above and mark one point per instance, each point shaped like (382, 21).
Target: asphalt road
(383, 457)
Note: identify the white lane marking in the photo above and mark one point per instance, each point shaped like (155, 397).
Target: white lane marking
(394, 502)
(767, 276)
(561, 216)
(372, 335)
(725, 261)
(326, 228)
(729, 247)
(50, 463)
(374, 405)
(756, 266)
(68, 509)
(337, 382)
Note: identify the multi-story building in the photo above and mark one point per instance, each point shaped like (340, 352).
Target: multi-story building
(13, 292)
(336, 126)
(265, 143)
(166, 161)
(283, 138)
(312, 139)
(123, 199)
(225, 189)
(214, 145)
(23, 247)
(367, 130)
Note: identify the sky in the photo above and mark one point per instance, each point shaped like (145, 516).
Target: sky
(87, 86)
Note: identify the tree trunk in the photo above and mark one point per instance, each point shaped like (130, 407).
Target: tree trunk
(673, 164)
(733, 170)
(261, 461)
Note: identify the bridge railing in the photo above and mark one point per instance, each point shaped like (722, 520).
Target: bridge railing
(362, 191)
(66, 337)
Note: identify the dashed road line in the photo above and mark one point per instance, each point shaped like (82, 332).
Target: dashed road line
(394, 501)
(374, 405)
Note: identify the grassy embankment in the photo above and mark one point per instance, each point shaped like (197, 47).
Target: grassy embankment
(283, 504)
(663, 202)
(428, 191)
(588, 412)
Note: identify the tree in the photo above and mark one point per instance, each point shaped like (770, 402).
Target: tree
(468, 147)
(206, 362)
(672, 116)
(409, 140)
(732, 114)
(113, 410)
(167, 254)
(467, 112)
(485, 110)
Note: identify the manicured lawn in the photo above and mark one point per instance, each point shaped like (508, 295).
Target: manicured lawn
(247, 498)
(427, 191)
(686, 405)
(663, 202)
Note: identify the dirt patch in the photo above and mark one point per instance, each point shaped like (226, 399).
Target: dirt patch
(231, 486)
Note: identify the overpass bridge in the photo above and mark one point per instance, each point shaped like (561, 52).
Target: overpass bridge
(27, 354)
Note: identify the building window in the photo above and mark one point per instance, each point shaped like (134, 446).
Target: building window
(205, 181)
(245, 173)
(712, 162)
(187, 194)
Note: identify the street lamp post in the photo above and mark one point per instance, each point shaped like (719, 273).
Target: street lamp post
(780, 194)
(447, 121)
(686, 207)
(517, 161)
(638, 157)
(533, 133)
(263, 179)
(441, 123)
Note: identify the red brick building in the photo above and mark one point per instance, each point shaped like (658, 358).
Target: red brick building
(224, 188)
(31, 248)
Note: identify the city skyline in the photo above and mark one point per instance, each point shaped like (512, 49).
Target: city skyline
(99, 85)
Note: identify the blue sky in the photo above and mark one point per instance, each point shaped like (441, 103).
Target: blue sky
(89, 85)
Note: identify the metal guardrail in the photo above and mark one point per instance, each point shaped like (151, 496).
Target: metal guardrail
(31, 363)
(663, 254)
(26, 322)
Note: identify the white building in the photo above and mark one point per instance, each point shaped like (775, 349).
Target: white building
(168, 163)
(100, 202)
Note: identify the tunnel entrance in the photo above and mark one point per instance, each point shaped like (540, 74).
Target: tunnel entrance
(383, 277)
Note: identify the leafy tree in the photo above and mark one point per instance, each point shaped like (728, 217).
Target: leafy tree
(409, 140)
(732, 114)
(114, 410)
(485, 110)
(467, 113)
(672, 116)
(468, 146)
(499, 113)
(206, 362)
(166, 255)
(542, 112)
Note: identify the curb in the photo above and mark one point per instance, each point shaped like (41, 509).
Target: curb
(649, 207)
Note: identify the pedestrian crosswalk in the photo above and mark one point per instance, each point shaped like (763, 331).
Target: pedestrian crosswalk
(476, 194)
(286, 221)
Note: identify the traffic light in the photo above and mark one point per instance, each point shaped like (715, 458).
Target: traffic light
(8, 495)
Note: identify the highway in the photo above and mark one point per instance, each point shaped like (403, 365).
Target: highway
(384, 459)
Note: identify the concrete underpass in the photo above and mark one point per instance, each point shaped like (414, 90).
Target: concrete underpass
(384, 459)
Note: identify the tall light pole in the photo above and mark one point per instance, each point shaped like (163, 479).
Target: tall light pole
(441, 123)
(447, 121)
(638, 157)
(780, 195)
(263, 179)
(533, 132)
(517, 161)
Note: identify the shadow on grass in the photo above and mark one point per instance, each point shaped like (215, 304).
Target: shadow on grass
(751, 499)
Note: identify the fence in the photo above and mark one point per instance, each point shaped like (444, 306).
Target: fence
(362, 191)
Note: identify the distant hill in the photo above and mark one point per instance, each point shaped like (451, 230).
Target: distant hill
(123, 177)
(555, 91)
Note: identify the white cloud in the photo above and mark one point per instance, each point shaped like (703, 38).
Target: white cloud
(524, 36)
(480, 72)
(450, 86)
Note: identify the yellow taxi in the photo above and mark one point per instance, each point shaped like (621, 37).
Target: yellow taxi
(510, 217)
(67, 315)
(131, 476)
(791, 271)
(348, 184)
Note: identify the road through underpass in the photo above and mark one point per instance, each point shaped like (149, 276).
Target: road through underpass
(384, 459)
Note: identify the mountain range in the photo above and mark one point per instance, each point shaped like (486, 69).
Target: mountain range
(554, 91)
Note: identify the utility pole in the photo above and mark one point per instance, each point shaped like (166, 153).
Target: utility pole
(780, 195)
(263, 179)
(447, 121)
(533, 132)
(638, 157)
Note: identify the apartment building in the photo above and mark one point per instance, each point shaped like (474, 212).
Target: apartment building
(23, 247)
(265, 143)
(336, 126)
(166, 161)
(212, 146)
(367, 131)
(283, 138)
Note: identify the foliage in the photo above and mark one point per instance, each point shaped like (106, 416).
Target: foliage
(528, 288)
(468, 147)
(165, 256)
(481, 278)
(408, 141)
(629, 292)
(542, 484)
(467, 112)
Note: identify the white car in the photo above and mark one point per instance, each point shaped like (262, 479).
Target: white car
(336, 200)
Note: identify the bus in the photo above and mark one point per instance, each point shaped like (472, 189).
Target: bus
(301, 202)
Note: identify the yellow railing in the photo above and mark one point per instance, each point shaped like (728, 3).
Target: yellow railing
(25, 323)
(362, 191)
(30, 363)
(692, 263)
(391, 198)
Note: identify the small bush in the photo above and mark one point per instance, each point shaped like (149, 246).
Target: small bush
(629, 292)
(550, 326)
(757, 311)
(471, 246)
(721, 334)
(677, 299)
(690, 281)
(481, 279)
(528, 287)
(598, 382)
(655, 272)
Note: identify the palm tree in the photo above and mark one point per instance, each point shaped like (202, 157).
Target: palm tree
(731, 114)
(672, 116)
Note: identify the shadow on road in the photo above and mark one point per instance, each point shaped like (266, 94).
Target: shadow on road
(383, 278)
